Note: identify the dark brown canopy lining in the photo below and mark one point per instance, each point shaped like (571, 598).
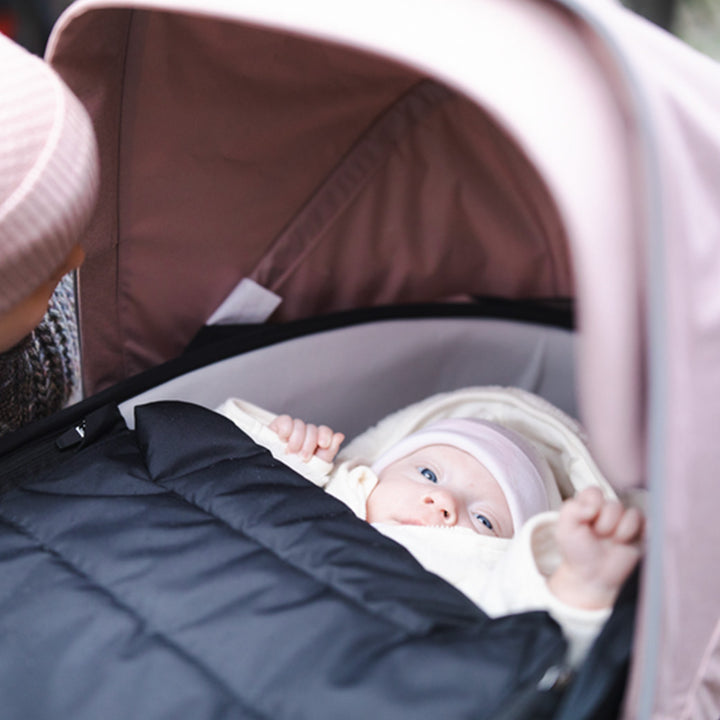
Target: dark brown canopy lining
(336, 179)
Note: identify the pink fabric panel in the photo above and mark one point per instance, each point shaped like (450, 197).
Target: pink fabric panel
(682, 92)
(690, 453)
(91, 51)
(227, 131)
(449, 209)
(704, 697)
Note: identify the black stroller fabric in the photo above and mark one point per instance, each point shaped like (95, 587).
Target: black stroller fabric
(179, 571)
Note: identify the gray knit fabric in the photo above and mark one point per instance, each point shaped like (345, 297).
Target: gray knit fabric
(38, 376)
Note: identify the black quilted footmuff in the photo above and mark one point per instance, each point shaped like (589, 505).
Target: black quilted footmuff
(179, 571)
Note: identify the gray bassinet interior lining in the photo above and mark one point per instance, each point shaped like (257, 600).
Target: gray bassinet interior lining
(351, 377)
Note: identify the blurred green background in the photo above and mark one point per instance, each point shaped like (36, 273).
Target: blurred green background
(695, 21)
(698, 22)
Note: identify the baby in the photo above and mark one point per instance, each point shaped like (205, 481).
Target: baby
(474, 502)
(479, 475)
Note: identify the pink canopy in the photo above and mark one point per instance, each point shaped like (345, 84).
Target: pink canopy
(338, 155)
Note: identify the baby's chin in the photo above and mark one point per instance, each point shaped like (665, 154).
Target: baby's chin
(429, 533)
(409, 522)
(399, 521)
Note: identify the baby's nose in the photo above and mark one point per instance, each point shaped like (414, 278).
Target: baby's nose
(442, 507)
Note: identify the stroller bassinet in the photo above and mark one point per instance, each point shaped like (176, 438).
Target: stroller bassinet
(416, 197)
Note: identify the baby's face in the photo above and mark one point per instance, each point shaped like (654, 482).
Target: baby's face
(440, 485)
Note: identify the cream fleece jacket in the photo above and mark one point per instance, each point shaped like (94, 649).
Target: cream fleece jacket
(501, 576)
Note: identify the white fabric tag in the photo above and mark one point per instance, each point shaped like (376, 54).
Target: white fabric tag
(247, 303)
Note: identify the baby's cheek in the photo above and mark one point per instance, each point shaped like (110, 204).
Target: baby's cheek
(372, 506)
(383, 502)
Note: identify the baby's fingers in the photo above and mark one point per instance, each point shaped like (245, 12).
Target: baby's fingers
(608, 518)
(297, 437)
(325, 437)
(296, 434)
(307, 439)
(282, 425)
(328, 453)
(584, 507)
(631, 527)
(310, 442)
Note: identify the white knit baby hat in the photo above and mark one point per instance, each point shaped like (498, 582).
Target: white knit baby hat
(522, 473)
(49, 172)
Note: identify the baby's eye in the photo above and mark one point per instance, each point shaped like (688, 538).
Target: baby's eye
(485, 521)
(428, 474)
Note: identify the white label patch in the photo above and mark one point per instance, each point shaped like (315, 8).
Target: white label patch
(247, 303)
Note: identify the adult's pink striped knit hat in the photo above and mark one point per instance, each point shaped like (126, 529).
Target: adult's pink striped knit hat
(49, 172)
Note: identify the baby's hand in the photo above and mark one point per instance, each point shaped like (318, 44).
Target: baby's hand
(599, 542)
(306, 439)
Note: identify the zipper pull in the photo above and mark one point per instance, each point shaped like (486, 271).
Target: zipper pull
(72, 437)
(93, 426)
